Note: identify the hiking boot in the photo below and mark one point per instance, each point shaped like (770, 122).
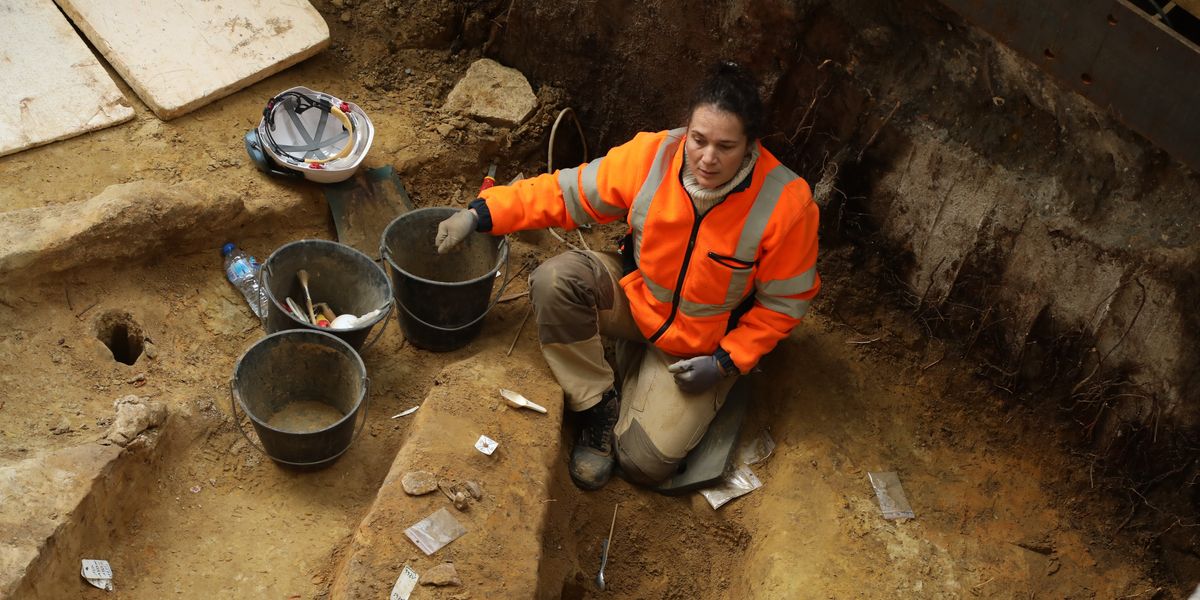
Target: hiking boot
(593, 457)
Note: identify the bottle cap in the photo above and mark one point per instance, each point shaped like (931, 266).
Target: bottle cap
(227, 249)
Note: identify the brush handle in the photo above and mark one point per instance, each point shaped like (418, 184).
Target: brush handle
(325, 311)
(302, 275)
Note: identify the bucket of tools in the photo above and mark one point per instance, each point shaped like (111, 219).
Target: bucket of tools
(326, 286)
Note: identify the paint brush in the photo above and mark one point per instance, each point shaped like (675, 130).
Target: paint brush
(302, 275)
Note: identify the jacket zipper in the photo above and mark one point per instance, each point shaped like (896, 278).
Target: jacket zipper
(737, 263)
(687, 259)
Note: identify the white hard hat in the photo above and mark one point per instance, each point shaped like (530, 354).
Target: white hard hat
(310, 134)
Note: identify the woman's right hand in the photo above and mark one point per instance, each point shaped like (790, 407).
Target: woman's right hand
(455, 229)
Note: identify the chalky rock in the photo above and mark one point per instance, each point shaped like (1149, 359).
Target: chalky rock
(443, 574)
(492, 93)
(134, 415)
(418, 483)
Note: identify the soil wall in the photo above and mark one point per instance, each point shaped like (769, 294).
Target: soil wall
(1023, 225)
(1021, 218)
(1019, 222)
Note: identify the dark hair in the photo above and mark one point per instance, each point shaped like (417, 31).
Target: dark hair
(732, 88)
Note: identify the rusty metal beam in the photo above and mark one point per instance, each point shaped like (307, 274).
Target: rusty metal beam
(1112, 53)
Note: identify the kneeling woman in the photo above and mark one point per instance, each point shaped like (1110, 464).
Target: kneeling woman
(718, 266)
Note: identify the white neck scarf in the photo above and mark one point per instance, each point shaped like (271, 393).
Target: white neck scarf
(704, 198)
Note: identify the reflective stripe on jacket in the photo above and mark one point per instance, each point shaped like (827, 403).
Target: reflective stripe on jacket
(692, 270)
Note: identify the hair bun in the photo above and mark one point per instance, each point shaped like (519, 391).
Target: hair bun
(734, 88)
(728, 67)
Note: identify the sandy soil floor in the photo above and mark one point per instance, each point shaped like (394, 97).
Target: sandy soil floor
(999, 513)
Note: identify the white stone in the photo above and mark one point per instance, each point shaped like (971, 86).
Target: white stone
(187, 53)
(54, 87)
(493, 93)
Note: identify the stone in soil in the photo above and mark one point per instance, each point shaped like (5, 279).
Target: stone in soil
(134, 415)
(475, 489)
(418, 483)
(441, 575)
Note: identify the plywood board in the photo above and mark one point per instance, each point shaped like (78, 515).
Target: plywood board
(53, 87)
(179, 55)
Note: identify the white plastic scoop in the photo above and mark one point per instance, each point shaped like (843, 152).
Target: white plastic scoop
(343, 322)
(349, 321)
(520, 401)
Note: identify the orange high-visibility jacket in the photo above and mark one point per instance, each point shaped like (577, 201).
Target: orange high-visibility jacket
(693, 271)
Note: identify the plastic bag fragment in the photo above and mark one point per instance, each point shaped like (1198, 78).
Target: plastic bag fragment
(435, 531)
(890, 494)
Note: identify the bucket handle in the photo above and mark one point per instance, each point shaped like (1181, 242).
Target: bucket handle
(235, 399)
(385, 320)
(266, 272)
(383, 252)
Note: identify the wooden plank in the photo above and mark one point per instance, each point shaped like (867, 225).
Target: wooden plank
(54, 88)
(179, 55)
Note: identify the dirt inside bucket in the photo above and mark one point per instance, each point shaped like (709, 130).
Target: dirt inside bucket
(305, 416)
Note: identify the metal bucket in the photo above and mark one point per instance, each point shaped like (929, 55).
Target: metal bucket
(303, 391)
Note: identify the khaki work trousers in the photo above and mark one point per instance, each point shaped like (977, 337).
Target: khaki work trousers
(577, 300)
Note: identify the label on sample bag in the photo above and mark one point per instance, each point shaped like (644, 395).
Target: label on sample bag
(893, 503)
(98, 573)
(404, 584)
(486, 445)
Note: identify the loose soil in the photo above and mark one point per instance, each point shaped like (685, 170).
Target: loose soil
(1002, 507)
(305, 416)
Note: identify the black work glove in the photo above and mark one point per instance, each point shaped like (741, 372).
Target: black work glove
(695, 375)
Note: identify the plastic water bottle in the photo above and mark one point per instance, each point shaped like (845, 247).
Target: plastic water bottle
(242, 271)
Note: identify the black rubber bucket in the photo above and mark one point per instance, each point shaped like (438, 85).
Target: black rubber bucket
(342, 277)
(303, 391)
(441, 299)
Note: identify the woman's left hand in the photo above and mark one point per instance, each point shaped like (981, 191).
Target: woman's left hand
(695, 375)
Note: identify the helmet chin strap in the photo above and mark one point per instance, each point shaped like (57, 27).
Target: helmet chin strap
(348, 125)
(295, 103)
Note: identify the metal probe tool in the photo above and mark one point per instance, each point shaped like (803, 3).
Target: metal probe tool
(604, 547)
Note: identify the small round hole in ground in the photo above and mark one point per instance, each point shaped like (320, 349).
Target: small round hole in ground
(122, 335)
(1048, 54)
(1086, 79)
(1112, 20)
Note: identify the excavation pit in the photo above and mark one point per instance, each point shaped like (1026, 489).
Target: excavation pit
(1008, 499)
